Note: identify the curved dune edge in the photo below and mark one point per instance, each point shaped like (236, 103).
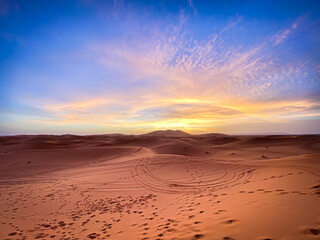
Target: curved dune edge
(160, 186)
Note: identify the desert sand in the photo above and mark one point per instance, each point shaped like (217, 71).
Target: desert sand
(161, 185)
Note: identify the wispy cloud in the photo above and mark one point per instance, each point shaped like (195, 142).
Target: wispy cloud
(181, 64)
(193, 7)
(284, 34)
(191, 83)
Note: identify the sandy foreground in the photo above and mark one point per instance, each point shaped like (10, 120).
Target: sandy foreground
(163, 185)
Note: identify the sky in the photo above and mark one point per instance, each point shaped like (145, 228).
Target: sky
(89, 66)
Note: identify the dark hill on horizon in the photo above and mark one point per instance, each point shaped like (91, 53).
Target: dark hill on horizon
(167, 133)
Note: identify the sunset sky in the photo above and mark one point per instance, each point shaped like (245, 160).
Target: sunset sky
(91, 66)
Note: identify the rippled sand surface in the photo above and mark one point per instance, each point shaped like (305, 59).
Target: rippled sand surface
(163, 185)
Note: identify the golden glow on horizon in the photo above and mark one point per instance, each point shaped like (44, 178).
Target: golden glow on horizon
(189, 114)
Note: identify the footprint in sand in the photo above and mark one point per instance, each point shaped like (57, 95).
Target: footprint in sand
(283, 193)
(313, 231)
(197, 236)
(93, 235)
(230, 221)
(316, 188)
(228, 238)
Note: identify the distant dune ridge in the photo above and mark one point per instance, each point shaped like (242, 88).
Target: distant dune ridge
(167, 133)
(160, 185)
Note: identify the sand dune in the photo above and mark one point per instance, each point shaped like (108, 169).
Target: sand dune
(161, 185)
(167, 133)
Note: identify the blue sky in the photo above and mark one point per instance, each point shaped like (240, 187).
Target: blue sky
(91, 66)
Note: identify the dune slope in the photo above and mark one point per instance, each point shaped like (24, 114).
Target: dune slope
(162, 185)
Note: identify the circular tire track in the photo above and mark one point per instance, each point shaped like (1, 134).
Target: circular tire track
(199, 174)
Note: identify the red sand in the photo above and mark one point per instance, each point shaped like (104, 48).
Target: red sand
(162, 185)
